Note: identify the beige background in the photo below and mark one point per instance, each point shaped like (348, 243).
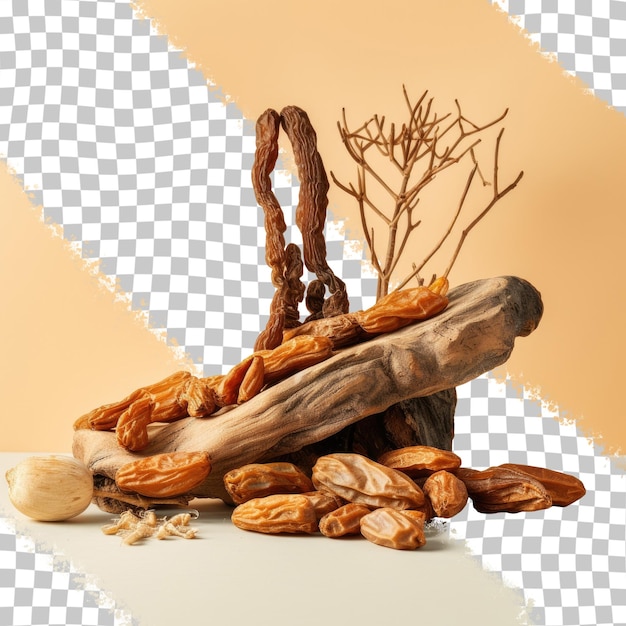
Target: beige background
(562, 228)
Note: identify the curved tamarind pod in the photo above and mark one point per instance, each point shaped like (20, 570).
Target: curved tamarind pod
(564, 489)
(131, 431)
(266, 154)
(440, 285)
(227, 389)
(106, 417)
(401, 308)
(293, 288)
(315, 300)
(265, 157)
(168, 400)
(295, 355)
(253, 381)
(342, 330)
(394, 311)
(200, 398)
(164, 475)
(312, 205)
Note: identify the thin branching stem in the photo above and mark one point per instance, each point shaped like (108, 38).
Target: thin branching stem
(420, 150)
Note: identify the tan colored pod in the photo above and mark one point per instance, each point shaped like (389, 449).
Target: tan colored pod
(356, 478)
(280, 513)
(393, 529)
(164, 475)
(447, 493)
(323, 503)
(564, 489)
(256, 480)
(346, 520)
(418, 461)
(503, 490)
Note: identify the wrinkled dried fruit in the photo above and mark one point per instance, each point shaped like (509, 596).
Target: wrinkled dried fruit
(417, 516)
(564, 489)
(401, 308)
(295, 355)
(446, 493)
(164, 475)
(281, 513)
(323, 502)
(227, 389)
(418, 461)
(132, 427)
(356, 478)
(312, 205)
(257, 480)
(393, 529)
(253, 380)
(503, 490)
(346, 520)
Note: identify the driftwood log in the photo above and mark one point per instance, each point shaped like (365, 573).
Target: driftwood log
(313, 408)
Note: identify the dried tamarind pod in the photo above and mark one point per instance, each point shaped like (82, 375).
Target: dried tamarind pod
(416, 515)
(266, 154)
(253, 380)
(170, 399)
(256, 480)
(293, 288)
(164, 475)
(165, 393)
(391, 528)
(280, 513)
(323, 502)
(564, 489)
(345, 520)
(401, 308)
(314, 300)
(312, 205)
(446, 493)
(503, 490)
(395, 311)
(342, 330)
(131, 431)
(356, 478)
(227, 387)
(199, 397)
(295, 355)
(421, 460)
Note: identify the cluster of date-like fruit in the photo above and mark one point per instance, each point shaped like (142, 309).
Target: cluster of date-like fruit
(387, 501)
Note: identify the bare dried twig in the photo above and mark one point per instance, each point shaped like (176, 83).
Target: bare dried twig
(418, 150)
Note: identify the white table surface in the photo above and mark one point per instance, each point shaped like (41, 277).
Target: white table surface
(229, 576)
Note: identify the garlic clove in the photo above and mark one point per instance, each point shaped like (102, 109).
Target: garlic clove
(50, 488)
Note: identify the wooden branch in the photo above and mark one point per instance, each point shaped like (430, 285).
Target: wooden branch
(474, 334)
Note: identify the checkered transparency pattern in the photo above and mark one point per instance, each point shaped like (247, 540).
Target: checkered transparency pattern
(588, 39)
(569, 562)
(37, 587)
(146, 170)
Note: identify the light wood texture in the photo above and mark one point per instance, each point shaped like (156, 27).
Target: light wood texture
(474, 334)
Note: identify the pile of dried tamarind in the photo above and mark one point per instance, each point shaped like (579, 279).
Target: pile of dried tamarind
(386, 501)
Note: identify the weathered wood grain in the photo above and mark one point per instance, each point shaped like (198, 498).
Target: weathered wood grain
(476, 333)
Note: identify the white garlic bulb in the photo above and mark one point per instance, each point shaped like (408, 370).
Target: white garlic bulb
(50, 488)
